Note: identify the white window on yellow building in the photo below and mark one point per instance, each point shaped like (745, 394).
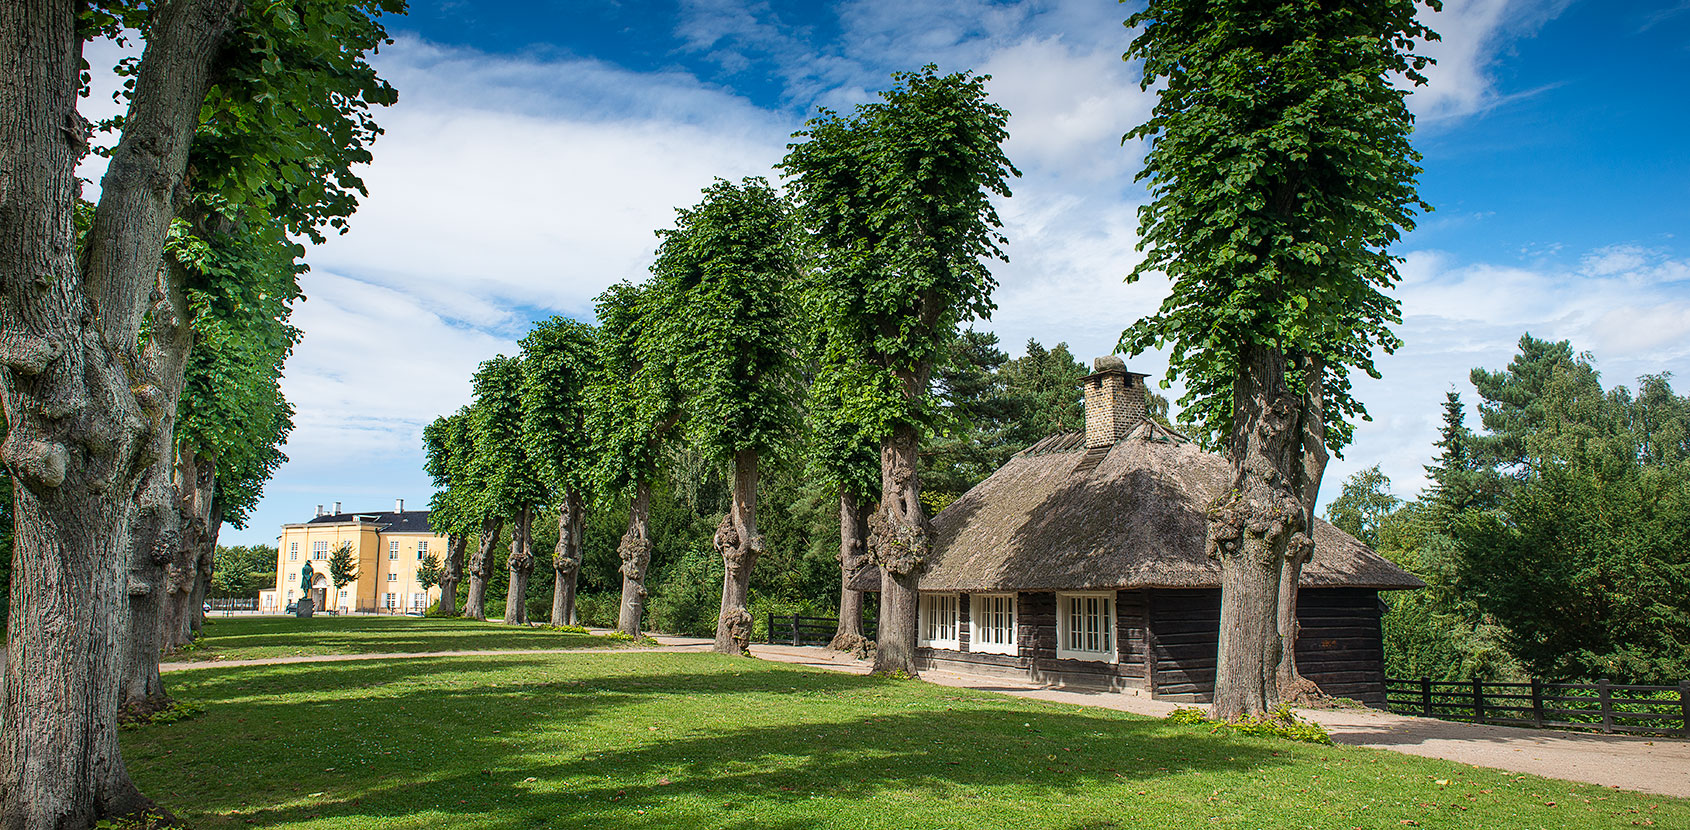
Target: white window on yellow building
(392, 577)
(418, 600)
(393, 550)
(293, 551)
(422, 550)
(389, 599)
(320, 550)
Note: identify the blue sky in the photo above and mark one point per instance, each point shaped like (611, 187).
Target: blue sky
(536, 146)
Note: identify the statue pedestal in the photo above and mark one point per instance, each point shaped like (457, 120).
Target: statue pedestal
(304, 608)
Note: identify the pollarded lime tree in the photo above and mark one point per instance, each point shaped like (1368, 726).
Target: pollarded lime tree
(898, 195)
(87, 412)
(510, 485)
(635, 404)
(1280, 173)
(560, 360)
(728, 273)
(846, 460)
(447, 449)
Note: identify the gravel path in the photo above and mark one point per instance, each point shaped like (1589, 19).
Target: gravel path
(1650, 765)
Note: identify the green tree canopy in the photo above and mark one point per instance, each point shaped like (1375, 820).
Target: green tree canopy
(560, 361)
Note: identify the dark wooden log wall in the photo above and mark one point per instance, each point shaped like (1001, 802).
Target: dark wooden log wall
(1341, 647)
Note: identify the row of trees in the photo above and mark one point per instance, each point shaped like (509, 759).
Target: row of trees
(893, 207)
(1555, 540)
(141, 337)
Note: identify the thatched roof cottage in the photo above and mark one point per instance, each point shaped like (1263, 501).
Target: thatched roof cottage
(1081, 562)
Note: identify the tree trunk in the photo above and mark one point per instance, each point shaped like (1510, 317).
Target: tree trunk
(635, 552)
(80, 413)
(207, 564)
(853, 527)
(739, 543)
(196, 477)
(521, 565)
(481, 569)
(566, 558)
(156, 535)
(1294, 688)
(452, 573)
(899, 541)
(1250, 531)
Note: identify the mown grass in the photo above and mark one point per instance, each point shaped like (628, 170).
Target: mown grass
(650, 740)
(249, 638)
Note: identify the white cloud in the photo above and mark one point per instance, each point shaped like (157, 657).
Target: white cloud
(1475, 34)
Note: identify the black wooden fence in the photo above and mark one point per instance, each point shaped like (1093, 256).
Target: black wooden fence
(798, 630)
(1600, 706)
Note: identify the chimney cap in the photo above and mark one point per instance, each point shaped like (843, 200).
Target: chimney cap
(1110, 365)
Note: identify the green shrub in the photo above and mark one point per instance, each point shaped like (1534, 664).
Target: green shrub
(1280, 723)
(598, 609)
(689, 598)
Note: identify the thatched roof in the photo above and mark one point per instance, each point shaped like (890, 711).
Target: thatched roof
(1058, 517)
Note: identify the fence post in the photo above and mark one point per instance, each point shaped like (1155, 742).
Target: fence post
(1607, 705)
(795, 640)
(1684, 707)
(1478, 702)
(771, 634)
(1426, 697)
(1537, 703)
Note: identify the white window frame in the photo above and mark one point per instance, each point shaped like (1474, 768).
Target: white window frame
(293, 551)
(320, 549)
(392, 577)
(393, 551)
(343, 593)
(419, 600)
(990, 609)
(391, 599)
(1109, 652)
(933, 625)
(422, 549)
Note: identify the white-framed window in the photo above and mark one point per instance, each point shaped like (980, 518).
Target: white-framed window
(390, 599)
(393, 549)
(939, 621)
(293, 551)
(290, 595)
(1085, 627)
(991, 623)
(419, 600)
(343, 594)
(422, 549)
(320, 549)
(392, 577)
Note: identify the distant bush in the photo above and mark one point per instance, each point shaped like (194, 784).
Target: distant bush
(598, 609)
(689, 598)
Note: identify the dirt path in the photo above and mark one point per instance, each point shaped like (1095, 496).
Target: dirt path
(1650, 765)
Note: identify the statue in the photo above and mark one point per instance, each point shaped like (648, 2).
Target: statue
(304, 608)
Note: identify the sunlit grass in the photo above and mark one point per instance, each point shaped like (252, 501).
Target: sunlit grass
(248, 638)
(703, 741)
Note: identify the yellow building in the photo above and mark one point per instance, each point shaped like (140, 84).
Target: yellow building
(388, 547)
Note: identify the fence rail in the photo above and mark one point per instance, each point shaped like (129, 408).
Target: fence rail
(1600, 706)
(798, 630)
(233, 603)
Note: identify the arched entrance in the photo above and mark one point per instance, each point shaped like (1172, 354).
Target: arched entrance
(320, 592)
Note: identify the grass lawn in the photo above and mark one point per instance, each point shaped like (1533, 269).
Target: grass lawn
(648, 740)
(248, 638)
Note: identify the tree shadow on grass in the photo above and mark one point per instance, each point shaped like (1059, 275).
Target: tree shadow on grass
(718, 743)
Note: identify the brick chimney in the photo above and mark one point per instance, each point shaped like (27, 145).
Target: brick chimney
(1114, 401)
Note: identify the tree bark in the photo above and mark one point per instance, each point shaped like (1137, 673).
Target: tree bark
(1294, 688)
(521, 566)
(196, 481)
(899, 542)
(452, 573)
(635, 552)
(157, 533)
(739, 543)
(481, 569)
(1250, 532)
(853, 528)
(80, 412)
(207, 564)
(566, 558)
